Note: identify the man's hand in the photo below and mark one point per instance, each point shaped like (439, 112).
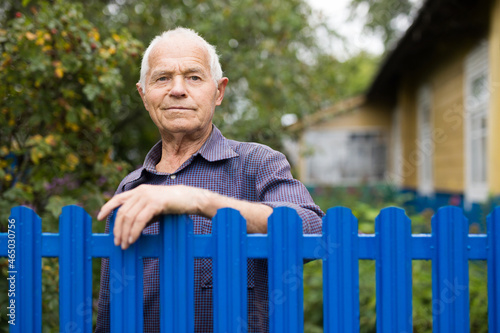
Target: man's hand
(140, 205)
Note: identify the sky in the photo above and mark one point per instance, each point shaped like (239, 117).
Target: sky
(337, 14)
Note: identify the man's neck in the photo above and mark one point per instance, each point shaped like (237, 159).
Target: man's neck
(177, 149)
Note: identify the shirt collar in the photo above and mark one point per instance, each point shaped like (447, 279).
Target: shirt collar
(216, 148)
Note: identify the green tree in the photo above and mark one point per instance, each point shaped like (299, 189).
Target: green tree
(60, 100)
(61, 91)
(351, 77)
(268, 50)
(73, 124)
(384, 17)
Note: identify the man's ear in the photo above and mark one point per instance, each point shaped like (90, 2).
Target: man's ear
(143, 97)
(221, 88)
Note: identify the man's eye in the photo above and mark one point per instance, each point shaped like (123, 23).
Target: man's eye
(162, 78)
(195, 78)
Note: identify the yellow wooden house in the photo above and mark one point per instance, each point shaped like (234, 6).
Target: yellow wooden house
(432, 112)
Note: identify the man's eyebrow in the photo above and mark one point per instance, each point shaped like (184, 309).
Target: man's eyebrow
(188, 70)
(195, 69)
(160, 72)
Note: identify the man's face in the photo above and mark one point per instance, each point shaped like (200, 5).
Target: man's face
(180, 94)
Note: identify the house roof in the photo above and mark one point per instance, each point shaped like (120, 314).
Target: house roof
(438, 25)
(325, 114)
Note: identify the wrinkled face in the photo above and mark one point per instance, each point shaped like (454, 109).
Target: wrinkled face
(180, 94)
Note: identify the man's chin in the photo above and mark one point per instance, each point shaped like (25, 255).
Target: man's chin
(186, 128)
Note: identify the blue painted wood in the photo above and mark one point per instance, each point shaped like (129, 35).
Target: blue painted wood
(450, 272)
(75, 270)
(176, 274)
(285, 272)
(229, 271)
(449, 247)
(421, 245)
(125, 287)
(493, 231)
(393, 271)
(339, 249)
(27, 271)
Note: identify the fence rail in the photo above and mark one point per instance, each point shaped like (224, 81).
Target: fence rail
(393, 247)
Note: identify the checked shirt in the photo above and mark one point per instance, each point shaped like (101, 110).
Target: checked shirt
(246, 171)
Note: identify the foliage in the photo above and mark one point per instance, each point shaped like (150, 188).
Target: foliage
(366, 203)
(82, 95)
(268, 51)
(72, 123)
(62, 85)
(352, 76)
(384, 17)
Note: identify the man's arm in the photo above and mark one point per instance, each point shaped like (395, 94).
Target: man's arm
(140, 205)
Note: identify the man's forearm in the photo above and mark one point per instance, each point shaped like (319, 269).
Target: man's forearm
(256, 214)
(140, 205)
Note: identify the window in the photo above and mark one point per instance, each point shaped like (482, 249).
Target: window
(367, 157)
(425, 142)
(477, 97)
(344, 156)
(396, 175)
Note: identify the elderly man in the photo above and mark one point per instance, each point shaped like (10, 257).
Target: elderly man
(195, 170)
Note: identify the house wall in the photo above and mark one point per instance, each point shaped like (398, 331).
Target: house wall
(330, 139)
(447, 83)
(494, 111)
(445, 77)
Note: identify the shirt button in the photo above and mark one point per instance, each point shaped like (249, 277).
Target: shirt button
(172, 176)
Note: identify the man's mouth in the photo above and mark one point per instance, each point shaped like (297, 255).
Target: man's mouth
(178, 107)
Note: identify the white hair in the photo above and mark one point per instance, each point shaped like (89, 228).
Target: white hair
(215, 67)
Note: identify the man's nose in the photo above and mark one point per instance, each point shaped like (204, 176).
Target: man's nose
(178, 88)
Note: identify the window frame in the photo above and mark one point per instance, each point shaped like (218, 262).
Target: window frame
(425, 169)
(476, 67)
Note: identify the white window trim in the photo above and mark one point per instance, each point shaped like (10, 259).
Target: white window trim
(425, 144)
(476, 64)
(396, 176)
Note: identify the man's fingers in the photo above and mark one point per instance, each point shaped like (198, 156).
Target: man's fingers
(108, 208)
(140, 205)
(124, 217)
(131, 219)
(144, 216)
(114, 202)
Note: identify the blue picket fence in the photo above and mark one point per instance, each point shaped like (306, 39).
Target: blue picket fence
(393, 247)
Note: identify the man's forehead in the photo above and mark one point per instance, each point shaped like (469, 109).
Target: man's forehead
(178, 47)
(184, 68)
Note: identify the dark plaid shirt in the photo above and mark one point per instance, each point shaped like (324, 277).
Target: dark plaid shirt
(246, 171)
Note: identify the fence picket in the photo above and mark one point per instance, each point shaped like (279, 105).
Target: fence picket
(339, 249)
(229, 271)
(393, 271)
(125, 286)
(450, 272)
(27, 271)
(176, 274)
(493, 226)
(75, 270)
(285, 271)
